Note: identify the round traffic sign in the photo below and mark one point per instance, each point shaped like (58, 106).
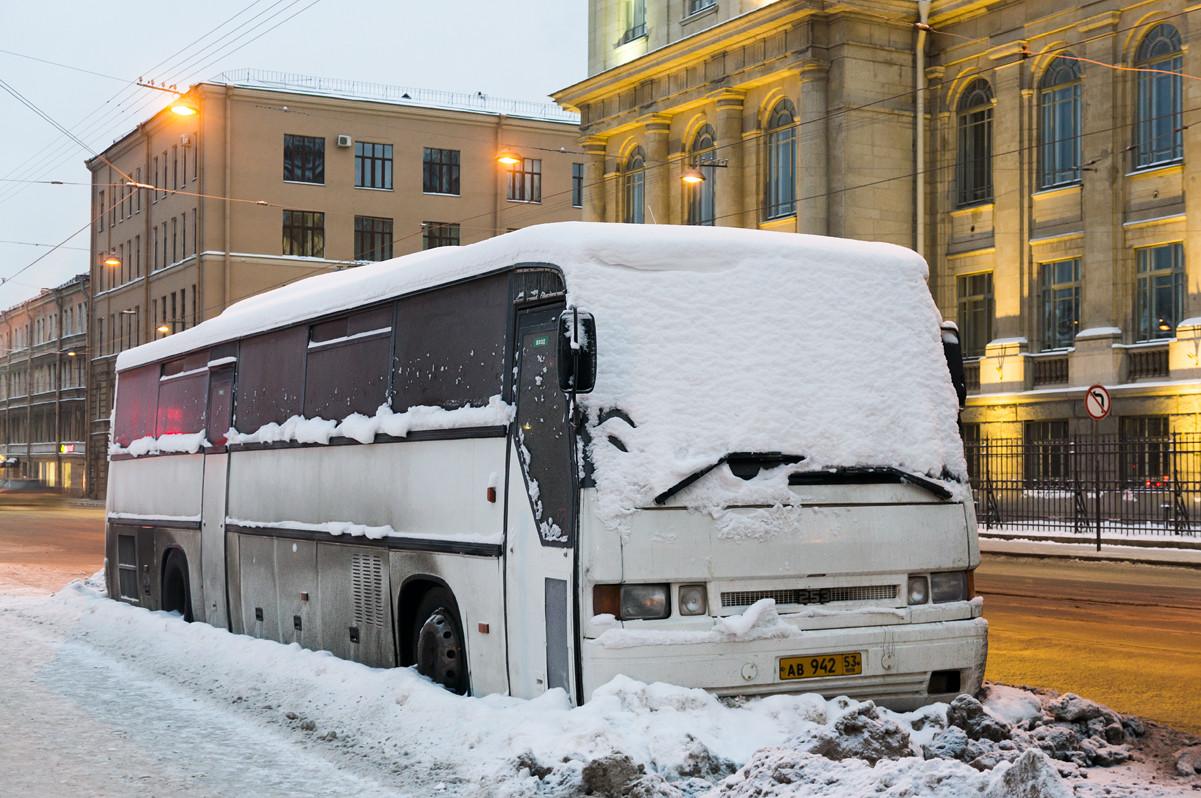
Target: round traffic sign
(1097, 402)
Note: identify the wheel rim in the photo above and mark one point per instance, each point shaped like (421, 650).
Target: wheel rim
(440, 650)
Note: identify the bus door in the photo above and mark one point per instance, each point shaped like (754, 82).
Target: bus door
(540, 544)
(218, 420)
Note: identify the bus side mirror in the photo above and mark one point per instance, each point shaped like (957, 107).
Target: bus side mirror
(577, 351)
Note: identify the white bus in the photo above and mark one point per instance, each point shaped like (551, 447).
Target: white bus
(719, 458)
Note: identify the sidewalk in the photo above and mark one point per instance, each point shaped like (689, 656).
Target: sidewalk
(1182, 552)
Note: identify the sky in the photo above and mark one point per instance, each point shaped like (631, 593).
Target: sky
(521, 49)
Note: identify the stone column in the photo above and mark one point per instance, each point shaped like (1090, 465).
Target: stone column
(659, 176)
(812, 151)
(594, 179)
(729, 205)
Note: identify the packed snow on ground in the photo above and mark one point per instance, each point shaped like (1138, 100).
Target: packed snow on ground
(103, 698)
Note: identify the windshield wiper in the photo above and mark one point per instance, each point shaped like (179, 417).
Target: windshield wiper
(868, 475)
(744, 465)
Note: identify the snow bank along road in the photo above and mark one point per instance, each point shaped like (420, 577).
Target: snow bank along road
(100, 698)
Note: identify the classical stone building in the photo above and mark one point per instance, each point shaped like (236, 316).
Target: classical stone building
(1039, 157)
(43, 369)
(278, 177)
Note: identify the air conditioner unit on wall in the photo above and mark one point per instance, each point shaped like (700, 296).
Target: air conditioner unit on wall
(185, 139)
(345, 141)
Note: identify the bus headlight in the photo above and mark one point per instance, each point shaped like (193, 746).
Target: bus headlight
(919, 591)
(949, 586)
(693, 600)
(644, 602)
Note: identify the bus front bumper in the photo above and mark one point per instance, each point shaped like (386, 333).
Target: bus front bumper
(903, 667)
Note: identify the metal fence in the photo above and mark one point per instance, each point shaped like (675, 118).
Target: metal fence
(1133, 486)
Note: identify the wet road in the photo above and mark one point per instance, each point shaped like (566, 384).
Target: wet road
(42, 549)
(1126, 635)
(1122, 634)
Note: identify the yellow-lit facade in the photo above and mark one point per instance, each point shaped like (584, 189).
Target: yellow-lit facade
(1038, 156)
(279, 177)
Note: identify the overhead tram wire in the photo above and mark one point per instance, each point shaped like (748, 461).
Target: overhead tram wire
(104, 118)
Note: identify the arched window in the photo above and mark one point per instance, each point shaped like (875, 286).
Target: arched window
(1158, 114)
(780, 196)
(633, 176)
(1059, 134)
(702, 196)
(973, 169)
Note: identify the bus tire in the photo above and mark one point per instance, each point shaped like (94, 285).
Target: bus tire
(438, 648)
(176, 592)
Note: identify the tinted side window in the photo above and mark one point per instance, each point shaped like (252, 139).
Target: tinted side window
(137, 404)
(347, 368)
(270, 378)
(450, 345)
(181, 402)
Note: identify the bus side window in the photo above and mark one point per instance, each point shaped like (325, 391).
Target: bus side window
(543, 442)
(346, 367)
(270, 378)
(221, 405)
(137, 404)
(450, 345)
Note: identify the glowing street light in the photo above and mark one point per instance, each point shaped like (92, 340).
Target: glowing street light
(184, 107)
(111, 260)
(508, 158)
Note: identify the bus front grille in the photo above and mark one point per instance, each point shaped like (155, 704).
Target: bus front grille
(805, 596)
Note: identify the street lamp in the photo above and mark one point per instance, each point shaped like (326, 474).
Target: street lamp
(696, 174)
(184, 107)
(508, 158)
(111, 260)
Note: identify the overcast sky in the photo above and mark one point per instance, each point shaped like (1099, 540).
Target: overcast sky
(521, 49)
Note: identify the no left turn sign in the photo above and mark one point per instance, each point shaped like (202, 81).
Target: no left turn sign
(1097, 403)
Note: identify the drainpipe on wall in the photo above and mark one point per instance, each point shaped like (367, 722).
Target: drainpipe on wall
(919, 125)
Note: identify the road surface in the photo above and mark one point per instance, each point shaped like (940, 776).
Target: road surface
(1125, 635)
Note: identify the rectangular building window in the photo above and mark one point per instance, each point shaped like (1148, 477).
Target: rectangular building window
(577, 185)
(1159, 291)
(975, 312)
(440, 171)
(100, 215)
(304, 159)
(700, 5)
(439, 234)
(1059, 284)
(137, 177)
(1146, 448)
(304, 233)
(1046, 449)
(372, 238)
(372, 165)
(525, 181)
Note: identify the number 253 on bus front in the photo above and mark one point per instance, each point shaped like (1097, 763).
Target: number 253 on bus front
(821, 665)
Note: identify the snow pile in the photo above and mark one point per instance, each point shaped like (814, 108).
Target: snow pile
(710, 341)
(172, 443)
(630, 739)
(759, 622)
(363, 429)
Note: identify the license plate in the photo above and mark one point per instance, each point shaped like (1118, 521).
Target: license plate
(812, 667)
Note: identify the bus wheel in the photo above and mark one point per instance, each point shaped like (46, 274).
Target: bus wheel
(177, 597)
(438, 641)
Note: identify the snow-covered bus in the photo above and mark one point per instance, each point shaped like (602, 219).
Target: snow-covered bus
(720, 458)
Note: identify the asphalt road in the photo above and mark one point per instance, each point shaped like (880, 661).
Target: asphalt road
(43, 549)
(1128, 636)
(1125, 635)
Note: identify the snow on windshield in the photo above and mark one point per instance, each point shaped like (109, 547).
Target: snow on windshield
(710, 340)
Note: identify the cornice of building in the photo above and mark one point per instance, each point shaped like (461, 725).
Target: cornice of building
(724, 36)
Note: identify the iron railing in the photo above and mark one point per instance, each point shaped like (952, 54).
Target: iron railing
(1149, 486)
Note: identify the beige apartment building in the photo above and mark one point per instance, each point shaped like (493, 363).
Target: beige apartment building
(278, 177)
(1037, 155)
(43, 372)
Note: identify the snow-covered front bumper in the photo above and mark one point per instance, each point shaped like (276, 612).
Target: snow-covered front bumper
(898, 662)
